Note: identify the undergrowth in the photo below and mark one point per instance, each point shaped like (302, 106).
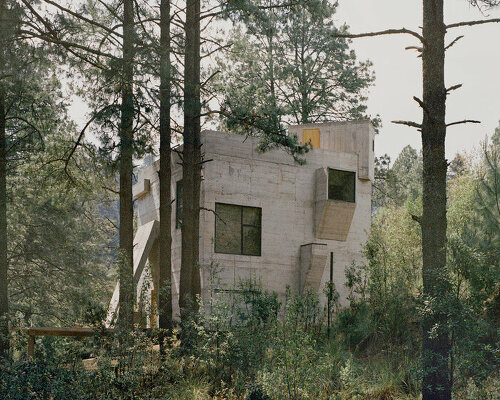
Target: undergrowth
(246, 346)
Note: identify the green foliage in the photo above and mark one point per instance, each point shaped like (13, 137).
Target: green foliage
(285, 67)
(384, 292)
(36, 380)
(294, 366)
(400, 183)
(289, 63)
(474, 262)
(386, 310)
(56, 232)
(56, 235)
(94, 66)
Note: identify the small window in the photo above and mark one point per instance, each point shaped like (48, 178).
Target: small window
(237, 229)
(341, 185)
(178, 204)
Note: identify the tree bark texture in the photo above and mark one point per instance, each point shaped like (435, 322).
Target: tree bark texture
(4, 302)
(436, 286)
(126, 259)
(165, 176)
(191, 179)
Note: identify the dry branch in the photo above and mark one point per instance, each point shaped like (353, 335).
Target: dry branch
(471, 23)
(83, 18)
(454, 41)
(408, 123)
(421, 104)
(380, 33)
(454, 87)
(465, 121)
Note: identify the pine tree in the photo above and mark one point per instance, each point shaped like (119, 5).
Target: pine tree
(284, 66)
(126, 256)
(190, 285)
(165, 174)
(4, 304)
(436, 382)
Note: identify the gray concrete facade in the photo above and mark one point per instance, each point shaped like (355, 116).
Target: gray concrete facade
(300, 226)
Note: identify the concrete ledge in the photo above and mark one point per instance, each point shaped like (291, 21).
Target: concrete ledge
(141, 188)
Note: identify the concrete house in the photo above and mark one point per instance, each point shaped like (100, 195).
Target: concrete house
(275, 221)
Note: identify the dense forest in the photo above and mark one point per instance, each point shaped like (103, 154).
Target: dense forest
(423, 313)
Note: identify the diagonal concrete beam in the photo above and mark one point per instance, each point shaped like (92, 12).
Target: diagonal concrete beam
(143, 242)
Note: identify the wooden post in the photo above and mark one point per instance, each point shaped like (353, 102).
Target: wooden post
(31, 347)
(330, 294)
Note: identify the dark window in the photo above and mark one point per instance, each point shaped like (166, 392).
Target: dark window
(341, 185)
(237, 229)
(178, 204)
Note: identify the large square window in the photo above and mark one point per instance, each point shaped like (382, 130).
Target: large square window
(341, 185)
(237, 229)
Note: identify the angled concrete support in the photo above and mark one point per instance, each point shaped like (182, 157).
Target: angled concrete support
(143, 243)
(313, 257)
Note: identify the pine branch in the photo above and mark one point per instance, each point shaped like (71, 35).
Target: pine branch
(111, 10)
(454, 42)
(421, 104)
(39, 17)
(408, 123)
(82, 133)
(259, 8)
(32, 126)
(81, 17)
(210, 77)
(465, 121)
(416, 218)
(380, 33)
(471, 23)
(419, 49)
(213, 212)
(67, 45)
(52, 37)
(454, 87)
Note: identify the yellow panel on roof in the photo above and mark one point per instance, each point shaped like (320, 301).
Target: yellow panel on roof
(311, 135)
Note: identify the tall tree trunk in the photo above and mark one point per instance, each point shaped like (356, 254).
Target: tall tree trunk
(126, 259)
(191, 179)
(272, 78)
(4, 302)
(165, 241)
(436, 344)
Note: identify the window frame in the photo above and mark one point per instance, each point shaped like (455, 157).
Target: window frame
(328, 184)
(242, 225)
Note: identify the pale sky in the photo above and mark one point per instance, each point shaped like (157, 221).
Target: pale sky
(474, 61)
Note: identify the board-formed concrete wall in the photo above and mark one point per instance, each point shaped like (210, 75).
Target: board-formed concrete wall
(287, 194)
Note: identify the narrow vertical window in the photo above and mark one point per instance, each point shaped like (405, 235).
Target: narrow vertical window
(178, 204)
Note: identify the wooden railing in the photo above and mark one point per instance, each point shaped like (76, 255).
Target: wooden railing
(34, 332)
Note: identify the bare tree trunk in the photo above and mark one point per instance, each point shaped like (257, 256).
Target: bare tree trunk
(165, 291)
(191, 179)
(195, 276)
(4, 301)
(126, 259)
(435, 346)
